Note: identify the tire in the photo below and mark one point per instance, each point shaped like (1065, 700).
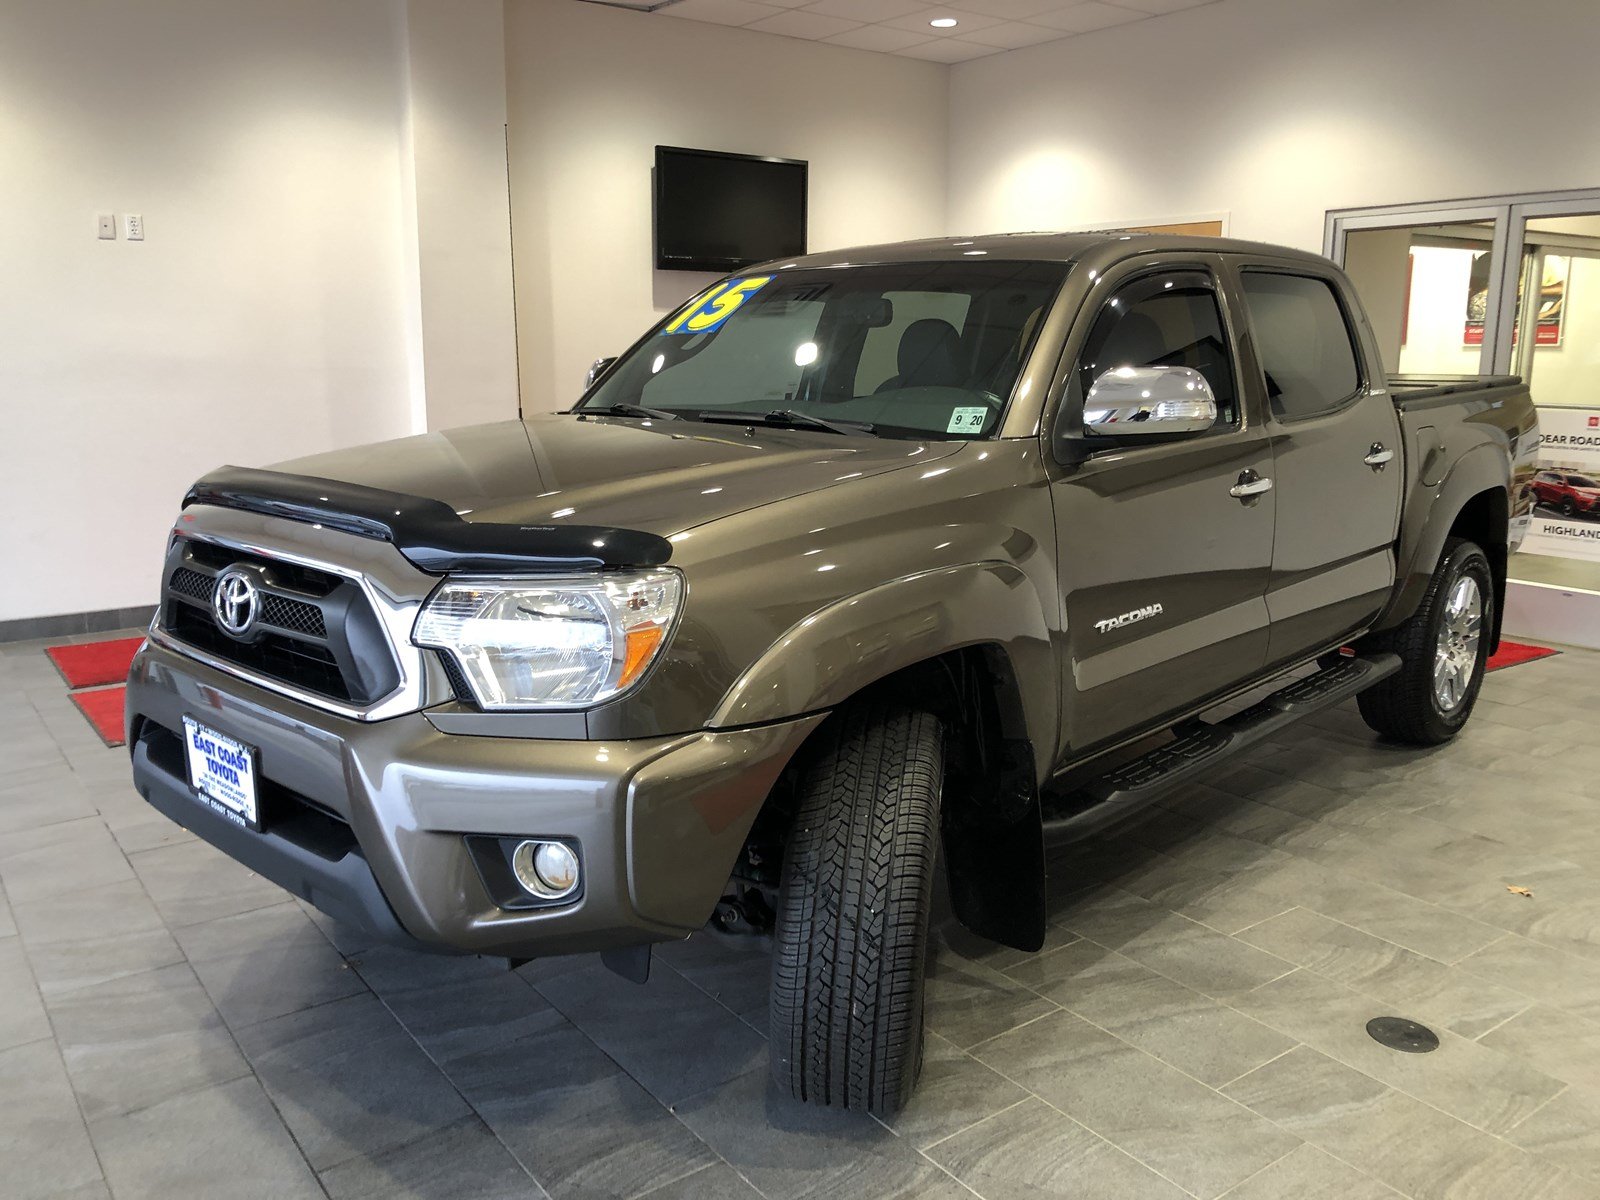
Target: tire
(1409, 706)
(850, 944)
(1569, 508)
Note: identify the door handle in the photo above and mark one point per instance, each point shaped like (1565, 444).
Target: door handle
(1378, 457)
(1250, 486)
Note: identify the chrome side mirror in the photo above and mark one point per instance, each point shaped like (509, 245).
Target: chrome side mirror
(599, 368)
(1141, 401)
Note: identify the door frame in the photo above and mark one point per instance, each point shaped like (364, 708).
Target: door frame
(1510, 214)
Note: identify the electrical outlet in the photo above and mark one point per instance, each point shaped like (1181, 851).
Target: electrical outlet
(134, 224)
(107, 227)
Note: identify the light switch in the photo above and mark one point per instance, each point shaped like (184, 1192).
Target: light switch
(134, 224)
(108, 227)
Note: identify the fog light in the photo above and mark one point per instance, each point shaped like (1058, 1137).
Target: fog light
(548, 870)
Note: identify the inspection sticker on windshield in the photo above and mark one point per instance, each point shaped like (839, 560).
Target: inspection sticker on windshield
(708, 313)
(223, 771)
(967, 420)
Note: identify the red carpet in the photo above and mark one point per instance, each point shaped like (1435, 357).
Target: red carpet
(1513, 654)
(91, 664)
(104, 708)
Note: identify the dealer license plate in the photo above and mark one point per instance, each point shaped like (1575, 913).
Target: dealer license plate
(223, 772)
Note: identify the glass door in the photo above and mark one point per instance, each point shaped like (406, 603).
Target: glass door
(1556, 347)
(1501, 285)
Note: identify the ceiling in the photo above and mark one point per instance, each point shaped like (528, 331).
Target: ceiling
(902, 26)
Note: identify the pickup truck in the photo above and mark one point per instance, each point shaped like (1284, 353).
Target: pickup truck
(857, 567)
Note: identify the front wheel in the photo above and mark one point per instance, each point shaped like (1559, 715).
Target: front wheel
(1443, 650)
(852, 929)
(1569, 508)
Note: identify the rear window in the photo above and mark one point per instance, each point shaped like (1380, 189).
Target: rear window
(1303, 342)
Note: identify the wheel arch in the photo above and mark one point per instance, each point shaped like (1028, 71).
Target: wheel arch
(1472, 502)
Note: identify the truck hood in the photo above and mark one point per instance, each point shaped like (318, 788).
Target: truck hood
(661, 477)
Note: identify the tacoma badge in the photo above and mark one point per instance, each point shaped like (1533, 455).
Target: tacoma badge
(1128, 618)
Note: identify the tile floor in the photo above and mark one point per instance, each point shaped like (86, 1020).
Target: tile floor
(171, 1026)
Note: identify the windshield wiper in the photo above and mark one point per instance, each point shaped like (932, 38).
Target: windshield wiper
(634, 410)
(788, 417)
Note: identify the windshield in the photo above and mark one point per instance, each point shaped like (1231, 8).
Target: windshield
(911, 350)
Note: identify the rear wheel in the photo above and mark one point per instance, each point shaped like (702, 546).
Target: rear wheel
(852, 929)
(1443, 649)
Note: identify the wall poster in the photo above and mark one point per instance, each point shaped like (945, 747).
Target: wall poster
(1566, 490)
(1552, 299)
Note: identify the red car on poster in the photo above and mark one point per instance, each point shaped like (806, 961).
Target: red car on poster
(1572, 494)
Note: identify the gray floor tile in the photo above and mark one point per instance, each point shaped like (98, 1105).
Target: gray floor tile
(191, 882)
(22, 1016)
(1193, 954)
(46, 1148)
(232, 1144)
(348, 1081)
(1558, 1043)
(1181, 1129)
(1411, 1146)
(734, 971)
(453, 1020)
(955, 1091)
(1200, 1036)
(394, 970)
(54, 859)
(1431, 991)
(1032, 1150)
(578, 1123)
(1307, 1173)
(64, 966)
(1470, 1081)
(1541, 972)
(1566, 1133)
(265, 963)
(134, 1041)
(462, 1161)
(790, 1150)
(118, 909)
(668, 1034)
(716, 1182)
(968, 1002)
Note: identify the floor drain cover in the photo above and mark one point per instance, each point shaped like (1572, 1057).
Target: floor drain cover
(1397, 1033)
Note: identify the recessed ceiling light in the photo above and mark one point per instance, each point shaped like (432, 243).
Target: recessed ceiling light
(944, 22)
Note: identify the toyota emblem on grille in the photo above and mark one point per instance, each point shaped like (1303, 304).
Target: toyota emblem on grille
(235, 601)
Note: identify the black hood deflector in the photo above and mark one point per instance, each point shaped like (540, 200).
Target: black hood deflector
(428, 532)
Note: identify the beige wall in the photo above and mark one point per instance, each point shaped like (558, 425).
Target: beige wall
(1276, 111)
(296, 290)
(593, 90)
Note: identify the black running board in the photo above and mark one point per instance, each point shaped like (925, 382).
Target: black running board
(1198, 747)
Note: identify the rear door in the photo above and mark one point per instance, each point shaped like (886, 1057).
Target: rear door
(1337, 472)
(1163, 559)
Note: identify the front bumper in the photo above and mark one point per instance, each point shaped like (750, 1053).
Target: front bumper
(367, 820)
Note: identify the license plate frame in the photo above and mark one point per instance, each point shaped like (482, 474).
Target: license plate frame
(222, 772)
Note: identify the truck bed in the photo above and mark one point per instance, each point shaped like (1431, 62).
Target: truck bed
(1414, 391)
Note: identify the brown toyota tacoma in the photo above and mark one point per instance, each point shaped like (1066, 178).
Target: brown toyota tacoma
(857, 565)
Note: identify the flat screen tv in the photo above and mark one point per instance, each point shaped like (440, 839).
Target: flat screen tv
(720, 212)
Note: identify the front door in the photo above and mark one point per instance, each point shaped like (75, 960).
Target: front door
(1163, 566)
(1339, 464)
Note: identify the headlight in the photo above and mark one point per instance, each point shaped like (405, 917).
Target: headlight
(557, 643)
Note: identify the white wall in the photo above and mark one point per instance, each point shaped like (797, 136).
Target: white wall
(274, 308)
(593, 90)
(1276, 111)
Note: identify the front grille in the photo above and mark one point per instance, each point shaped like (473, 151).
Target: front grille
(314, 632)
(192, 584)
(293, 615)
(302, 664)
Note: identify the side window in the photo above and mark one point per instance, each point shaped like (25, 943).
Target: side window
(1303, 342)
(889, 352)
(1170, 319)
